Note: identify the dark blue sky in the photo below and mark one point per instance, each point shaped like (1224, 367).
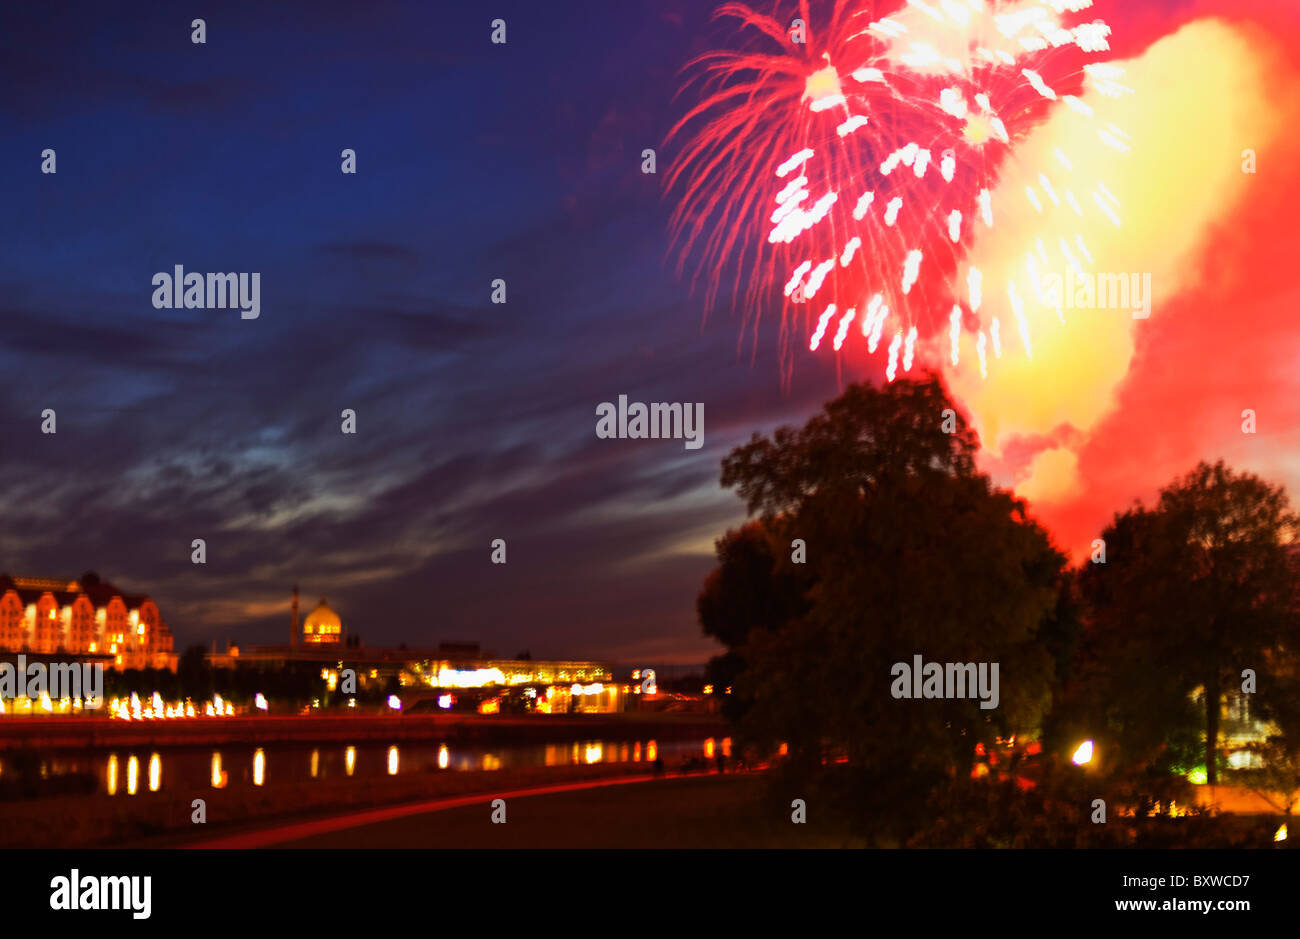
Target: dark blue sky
(476, 421)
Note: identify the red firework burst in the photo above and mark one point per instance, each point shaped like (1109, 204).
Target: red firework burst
(848, 159)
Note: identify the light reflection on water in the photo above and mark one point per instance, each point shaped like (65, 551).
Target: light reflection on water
(119, 772)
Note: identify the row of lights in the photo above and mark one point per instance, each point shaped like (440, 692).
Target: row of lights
(128, 708)
(133, 709)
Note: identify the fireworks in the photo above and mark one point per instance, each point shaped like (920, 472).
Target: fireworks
(853, 158)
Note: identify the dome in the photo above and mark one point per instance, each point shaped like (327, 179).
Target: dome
(322, 624)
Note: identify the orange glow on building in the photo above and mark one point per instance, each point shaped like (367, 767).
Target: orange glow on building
(322, 626)
(48, 615)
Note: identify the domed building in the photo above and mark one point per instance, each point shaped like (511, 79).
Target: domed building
(432, 678)
(322, 626)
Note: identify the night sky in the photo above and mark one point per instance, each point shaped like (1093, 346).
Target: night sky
(475, 421)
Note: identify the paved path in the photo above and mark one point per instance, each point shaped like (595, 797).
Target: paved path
(270, 836)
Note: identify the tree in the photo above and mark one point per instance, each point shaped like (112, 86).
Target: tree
(910, 550)
(193, 673)
(754, 587)
(1193, 592)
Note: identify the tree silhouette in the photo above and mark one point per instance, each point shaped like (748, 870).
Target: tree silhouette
(1193, 592)
(910, 550)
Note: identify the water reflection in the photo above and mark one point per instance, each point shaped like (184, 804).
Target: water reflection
(119, 772)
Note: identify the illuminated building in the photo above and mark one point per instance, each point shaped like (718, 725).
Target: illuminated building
(322, 625)
(85, 617)
(459, 673)
(559, 687)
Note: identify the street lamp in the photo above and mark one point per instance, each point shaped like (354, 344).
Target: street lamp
(1083, 754)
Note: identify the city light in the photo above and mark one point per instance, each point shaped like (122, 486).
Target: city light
(1083, 754)
(468, 677)
(133, 709)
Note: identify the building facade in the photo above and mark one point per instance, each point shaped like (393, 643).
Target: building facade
(88, 616)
